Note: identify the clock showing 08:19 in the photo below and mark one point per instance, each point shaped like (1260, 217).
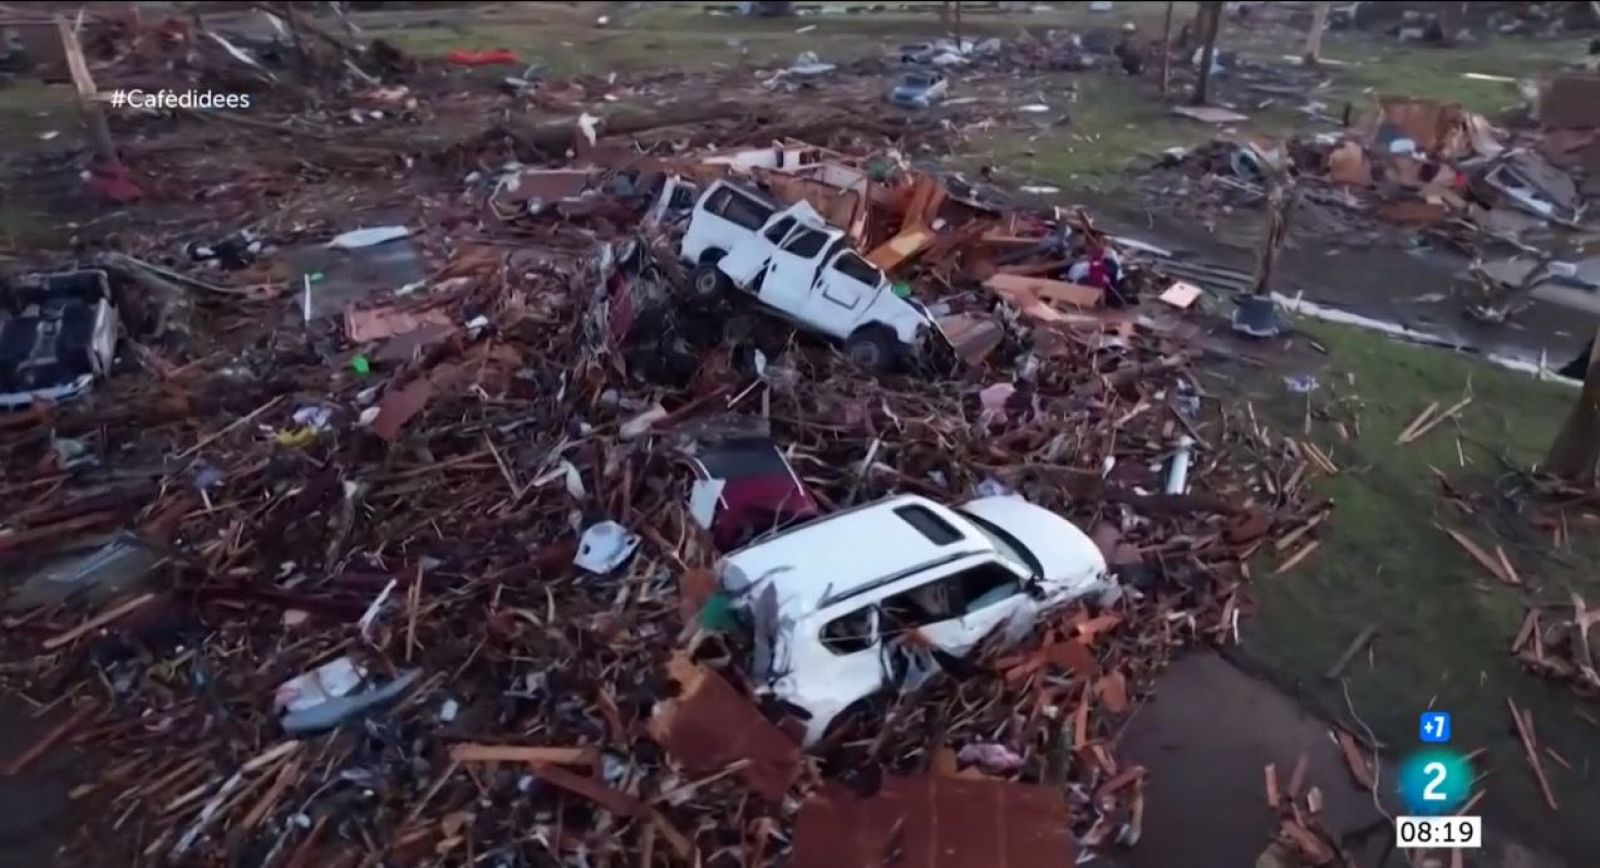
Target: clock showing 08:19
(1433, 784)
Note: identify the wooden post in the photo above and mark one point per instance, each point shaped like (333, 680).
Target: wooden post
(1576, 451)
(1212, 9)
(94, 118)
(1280, 207)
(1319, 22)
(1166, 51)
(958, 24)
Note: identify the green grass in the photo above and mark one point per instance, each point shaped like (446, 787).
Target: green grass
(1379, 66)
(1115, 123)
(1444, 625)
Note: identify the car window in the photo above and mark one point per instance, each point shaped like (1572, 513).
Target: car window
(717, 202)
(937, 530)
(974, 588)
(780, 229)
(1009, 546)
(856, 268)
(736, 207)
(806, 242)
(850, 633)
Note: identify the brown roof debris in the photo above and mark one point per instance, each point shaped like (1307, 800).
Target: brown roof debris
(935, 822)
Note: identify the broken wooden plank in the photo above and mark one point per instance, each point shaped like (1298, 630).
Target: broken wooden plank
(50, 739)
(1528, 747)
(1355, 759)
(1297, 557)
(1529, 622)
(1297, 778)
(1422, 418)
(1274, 798)
(97, 622)
(469, 752)
(1293, 536)
(1478, 554)
(1410, 436)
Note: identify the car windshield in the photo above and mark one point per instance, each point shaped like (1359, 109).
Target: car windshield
(1009, 546)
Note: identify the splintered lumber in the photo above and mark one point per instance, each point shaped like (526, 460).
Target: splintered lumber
(1297, 778)
(489, 753)
(1528, 747)
(97, 622)
(1297, 557)
(1274, 798)
(21, 762)
(1422, 419)
(1411, 435)
(1355, 759)
(1479, 555)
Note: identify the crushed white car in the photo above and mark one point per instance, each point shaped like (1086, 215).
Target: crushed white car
(800, 267)
(830, 599)
(58, 334)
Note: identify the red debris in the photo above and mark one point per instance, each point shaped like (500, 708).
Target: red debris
(936, 822)
(710, 726)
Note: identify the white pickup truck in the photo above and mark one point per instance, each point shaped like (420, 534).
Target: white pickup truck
(802, 268)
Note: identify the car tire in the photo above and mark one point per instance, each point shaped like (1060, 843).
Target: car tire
(708, 283)
(874, 348)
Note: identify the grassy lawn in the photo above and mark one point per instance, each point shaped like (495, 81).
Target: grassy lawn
(1444, 625)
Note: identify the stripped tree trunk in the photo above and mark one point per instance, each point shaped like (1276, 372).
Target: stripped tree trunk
(1166, 52)
(1212, 26)
(1319, 22)
(1575, 454)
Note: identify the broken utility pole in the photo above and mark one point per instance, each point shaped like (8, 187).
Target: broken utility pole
(1211, 25)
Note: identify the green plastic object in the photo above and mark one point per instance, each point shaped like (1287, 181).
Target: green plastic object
(717, 614)
(902, 290)
(360, 365)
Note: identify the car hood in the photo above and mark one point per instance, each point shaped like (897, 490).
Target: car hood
(1073, 565)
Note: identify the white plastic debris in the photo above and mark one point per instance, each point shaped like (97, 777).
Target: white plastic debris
(449, 710)
(356, 239)
(589, 124)
(640, 424)
(991, 487)
(1178, 477)
(703, 499)
(370, 616)
(604, 547)
(330, 680)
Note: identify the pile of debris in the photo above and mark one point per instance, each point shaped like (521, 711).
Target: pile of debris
(517, 531)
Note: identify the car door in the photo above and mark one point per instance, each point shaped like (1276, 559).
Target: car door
(750, 256)
(792, 271)
(974, 614)
(845, 287)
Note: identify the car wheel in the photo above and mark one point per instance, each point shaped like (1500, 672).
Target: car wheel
(874, 348)
(707, 282)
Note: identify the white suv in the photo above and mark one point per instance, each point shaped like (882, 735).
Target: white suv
(830, 599)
